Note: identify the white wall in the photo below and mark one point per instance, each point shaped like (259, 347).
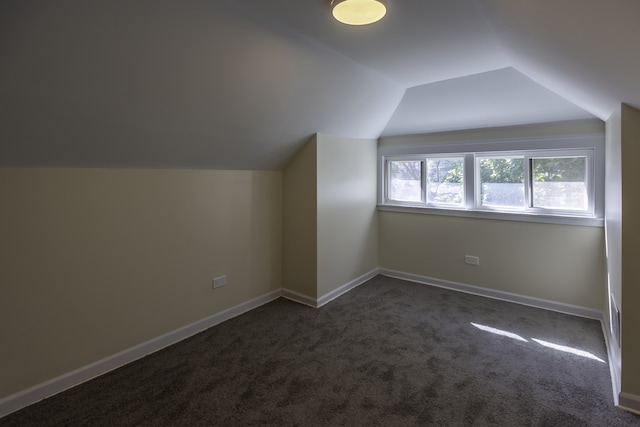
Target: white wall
(347, 217)
(94, 262)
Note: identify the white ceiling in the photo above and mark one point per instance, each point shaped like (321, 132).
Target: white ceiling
(502, 97)
(242, 84)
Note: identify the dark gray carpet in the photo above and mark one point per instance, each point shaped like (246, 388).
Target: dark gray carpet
(388, 353)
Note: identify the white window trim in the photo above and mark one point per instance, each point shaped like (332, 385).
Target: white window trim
(387, 173)
(448, 156)
(589, 153)
(593, 144)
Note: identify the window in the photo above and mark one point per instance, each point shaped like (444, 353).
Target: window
(445, 179)
(405, 181)
(426, 181)
(501, 182)
(535, 182)
(544, 185)
(560, 183)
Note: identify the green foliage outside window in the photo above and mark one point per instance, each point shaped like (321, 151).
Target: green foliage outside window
(444, 180)
(511, 170)
(504, 170)
(567, 169)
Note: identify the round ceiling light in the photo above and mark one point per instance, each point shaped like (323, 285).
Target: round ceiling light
(358, 12)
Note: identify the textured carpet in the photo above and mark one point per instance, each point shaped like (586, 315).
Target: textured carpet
(388, 353)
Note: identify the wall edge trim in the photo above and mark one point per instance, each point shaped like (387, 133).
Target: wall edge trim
(328, 297)
(56, 385)
(615, 383)
(319, 302)
(495, 294)
(299, 298)
(31, 395)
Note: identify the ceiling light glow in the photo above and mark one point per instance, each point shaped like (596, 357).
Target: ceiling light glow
(358, 12)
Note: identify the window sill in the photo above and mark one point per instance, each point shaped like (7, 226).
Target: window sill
(503, 216)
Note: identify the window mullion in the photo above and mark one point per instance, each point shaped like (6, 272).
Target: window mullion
(424, 182)
(469, 182)
(528, 185)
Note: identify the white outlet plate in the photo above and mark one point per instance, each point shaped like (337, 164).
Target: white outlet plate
(473, 260)
(219, 282)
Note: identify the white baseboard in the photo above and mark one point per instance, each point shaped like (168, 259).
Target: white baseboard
(34, 394)
(629, 402)
(316, 303)
(624, 400)
(500, 295)
(299, 298)
(346, 287)
(613, 371)
(39, 392)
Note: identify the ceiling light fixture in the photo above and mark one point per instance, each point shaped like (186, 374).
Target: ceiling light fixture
(358, 12)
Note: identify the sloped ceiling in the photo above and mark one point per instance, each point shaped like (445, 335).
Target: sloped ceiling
(502, 97)
(243, 84)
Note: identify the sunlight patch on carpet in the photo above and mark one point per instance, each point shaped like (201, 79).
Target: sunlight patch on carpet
(547, 344)
(571, 350)
(499, 332)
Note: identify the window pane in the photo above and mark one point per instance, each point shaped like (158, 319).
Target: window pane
(444, 181)
(502, 182)
(405, 181)
(560, 183)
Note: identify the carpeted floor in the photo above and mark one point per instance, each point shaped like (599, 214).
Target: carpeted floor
(388, 353)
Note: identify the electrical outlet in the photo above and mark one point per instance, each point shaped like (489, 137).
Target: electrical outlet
(219, 282)
(473, 260)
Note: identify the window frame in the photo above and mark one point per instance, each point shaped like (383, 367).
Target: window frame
(387, 171)
(528, 156)
(590, 146)
(477, 157)
(445, 156)
(424, 181)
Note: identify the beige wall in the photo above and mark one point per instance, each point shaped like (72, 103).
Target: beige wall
(347, 217)
(300, 222)
(623, 241)
(554, 262)
(95, 261)
(330, 219)
(630, 132)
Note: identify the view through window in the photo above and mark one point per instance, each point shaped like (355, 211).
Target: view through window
(536, 182)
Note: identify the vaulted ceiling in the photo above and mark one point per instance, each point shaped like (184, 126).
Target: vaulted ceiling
(241, 84)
